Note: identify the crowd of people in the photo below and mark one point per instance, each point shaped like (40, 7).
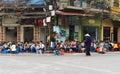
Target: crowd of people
(20, 47)
(67, 46)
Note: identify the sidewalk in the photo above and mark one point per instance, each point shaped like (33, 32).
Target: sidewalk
(51, 54)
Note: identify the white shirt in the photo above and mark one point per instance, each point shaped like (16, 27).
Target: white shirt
(13, 47)
(42, 45)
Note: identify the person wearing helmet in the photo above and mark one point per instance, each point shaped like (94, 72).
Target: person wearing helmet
(87, 44)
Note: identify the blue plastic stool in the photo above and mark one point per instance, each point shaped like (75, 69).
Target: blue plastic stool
(17, 51)
(5, 51)
(56, 52)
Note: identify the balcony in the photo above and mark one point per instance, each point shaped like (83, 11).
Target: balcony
(94, 4)
(21, 7)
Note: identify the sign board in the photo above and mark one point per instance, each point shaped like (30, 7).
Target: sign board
(10, 24)
(11, 28)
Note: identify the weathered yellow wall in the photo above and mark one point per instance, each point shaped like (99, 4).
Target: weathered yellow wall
(115, 12)
(119, 34)
(111, 3)
(107, 22)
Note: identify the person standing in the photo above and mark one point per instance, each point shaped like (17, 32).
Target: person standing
(53, 41)
(87, 44)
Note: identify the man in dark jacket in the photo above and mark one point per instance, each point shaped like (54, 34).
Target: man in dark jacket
(87, 44)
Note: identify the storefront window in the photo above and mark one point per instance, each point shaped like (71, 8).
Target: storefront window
(90, 30)
(116, 3)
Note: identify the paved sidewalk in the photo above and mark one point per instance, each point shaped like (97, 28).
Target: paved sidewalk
(51, 54)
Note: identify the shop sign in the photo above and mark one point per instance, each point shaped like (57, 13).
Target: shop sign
(10, 24)
(91, 21)
(11, 28)
(39, 22)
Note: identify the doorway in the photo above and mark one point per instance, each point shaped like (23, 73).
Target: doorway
(11, 34)
(28, 34)
(43, 34)
(106, 33)
(71, 32)
(115, 34)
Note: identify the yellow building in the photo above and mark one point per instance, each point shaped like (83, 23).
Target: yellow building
(107, 30)
(115, 14)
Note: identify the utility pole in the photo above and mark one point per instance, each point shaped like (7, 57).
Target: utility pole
(49, 9)
(101, 18)
(101, 21)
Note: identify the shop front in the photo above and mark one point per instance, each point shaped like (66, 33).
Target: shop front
(11, 33)
(108, 30)
(90, 25)
(22, 32)
(8, 33)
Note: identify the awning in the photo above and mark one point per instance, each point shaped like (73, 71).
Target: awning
(35, 2)
(27, 2)
(8, 1)
(80, 9)
(72, 13)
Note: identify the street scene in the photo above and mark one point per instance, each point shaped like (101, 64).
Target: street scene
(59, 36)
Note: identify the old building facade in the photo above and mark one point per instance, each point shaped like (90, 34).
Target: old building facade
(24, 21)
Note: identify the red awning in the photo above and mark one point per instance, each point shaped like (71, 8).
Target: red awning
(72, 13)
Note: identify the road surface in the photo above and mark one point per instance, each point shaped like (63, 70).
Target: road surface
(78, 63)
